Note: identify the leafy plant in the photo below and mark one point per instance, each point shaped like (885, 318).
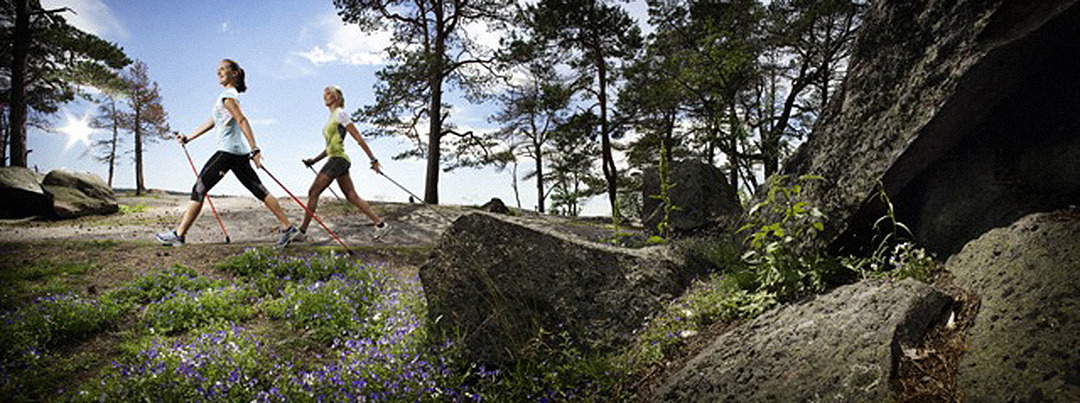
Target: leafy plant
(779, 224)
(664, 227)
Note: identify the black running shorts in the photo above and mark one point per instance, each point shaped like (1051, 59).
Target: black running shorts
(221, 163)
(336, 167)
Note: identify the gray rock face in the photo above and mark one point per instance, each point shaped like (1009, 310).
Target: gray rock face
(76, 194)
(701, 192)
(964, 110)
(841, 346)
(500, 282)
(21, 194)
(1025, 343)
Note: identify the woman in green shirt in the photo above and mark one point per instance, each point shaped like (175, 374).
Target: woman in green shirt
(338, 166)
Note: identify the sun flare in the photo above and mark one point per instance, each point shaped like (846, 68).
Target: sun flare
(77, 130)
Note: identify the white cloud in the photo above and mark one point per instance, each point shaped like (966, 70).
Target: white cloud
(92, 16)
(345, 43)
(225, 26)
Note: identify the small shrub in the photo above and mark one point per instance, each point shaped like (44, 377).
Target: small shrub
(779, 224)
(189, 309)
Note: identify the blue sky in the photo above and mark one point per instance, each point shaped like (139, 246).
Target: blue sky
(290, 50)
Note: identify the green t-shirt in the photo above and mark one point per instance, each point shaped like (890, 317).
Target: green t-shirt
(334, 133)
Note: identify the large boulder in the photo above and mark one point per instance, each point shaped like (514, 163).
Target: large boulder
(1025, 342)
(76, 194)
(702, 194)
(963, 110)
(502, 283)
(21, 194)
(841, 346)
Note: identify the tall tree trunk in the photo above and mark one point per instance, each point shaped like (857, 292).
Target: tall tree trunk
(4, 131)
(115, 138)
(517, 196)
(605, 142)
(139, 188)
(539, 177)
(734, 159)
(20, 49)
(435, 80)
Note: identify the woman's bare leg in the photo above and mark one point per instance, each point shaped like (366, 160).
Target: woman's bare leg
(275, 207)
(189, 217)
(346, 184)
(322, 181)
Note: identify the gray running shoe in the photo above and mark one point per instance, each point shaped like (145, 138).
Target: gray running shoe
(381, 229)
(287, 236)
(299, 237)
(169, 238)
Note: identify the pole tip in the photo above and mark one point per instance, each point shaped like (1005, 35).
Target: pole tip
(227, 240)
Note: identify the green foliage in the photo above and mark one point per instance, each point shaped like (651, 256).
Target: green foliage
(779, 223)
(225, 364)
(160, 284)
(895, 256)
(134, 208)
(338, 308)
(27, 333)
(186, 310)
(571, 172)
(553, 369)
(24, 283)
(61, 57)
(269, 273)
(664, 226)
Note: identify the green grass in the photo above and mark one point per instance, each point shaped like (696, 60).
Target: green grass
(186, 310)
(134, 208)
(24, 283)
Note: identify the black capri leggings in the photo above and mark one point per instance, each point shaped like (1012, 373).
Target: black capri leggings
(215, 169)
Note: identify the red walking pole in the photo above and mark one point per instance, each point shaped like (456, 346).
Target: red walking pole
(196, 172)
(308, 211)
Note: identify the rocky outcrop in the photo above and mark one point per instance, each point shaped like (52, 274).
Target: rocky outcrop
(495, 205)
(841, 346)
(702, 194)
(1028, 327)
(21, 194)
(76, 194)
(964, 110)
(502, 284)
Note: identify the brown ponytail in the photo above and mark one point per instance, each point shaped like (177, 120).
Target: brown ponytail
(238, 81)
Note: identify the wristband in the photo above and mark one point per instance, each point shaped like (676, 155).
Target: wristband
(254, 151)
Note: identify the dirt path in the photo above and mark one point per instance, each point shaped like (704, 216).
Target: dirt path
(246, 220)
